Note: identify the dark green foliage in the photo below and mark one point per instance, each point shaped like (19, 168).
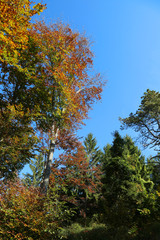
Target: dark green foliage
(127, 187)
(92, 151)
(17, 140)
(118, 145)
(149, 232)
(153, 164)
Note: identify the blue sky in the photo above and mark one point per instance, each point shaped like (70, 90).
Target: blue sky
(126, 44)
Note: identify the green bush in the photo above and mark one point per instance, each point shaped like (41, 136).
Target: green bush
(77, 232)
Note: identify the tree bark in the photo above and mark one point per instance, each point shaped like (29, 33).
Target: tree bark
(48, 162)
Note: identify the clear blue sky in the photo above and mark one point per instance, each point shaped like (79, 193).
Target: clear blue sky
(126, 44)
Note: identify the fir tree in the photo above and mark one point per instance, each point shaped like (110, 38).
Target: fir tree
(93, 153)
(94, 157)
(127, 187)
(36, 166)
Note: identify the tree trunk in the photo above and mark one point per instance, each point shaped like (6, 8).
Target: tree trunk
(48, 162)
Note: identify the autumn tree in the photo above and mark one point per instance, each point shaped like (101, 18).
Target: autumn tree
(75, 179)
(59, 91)
(57, 88)
(75, 88)
(70, 89)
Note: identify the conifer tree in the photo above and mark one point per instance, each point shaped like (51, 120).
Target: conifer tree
(127, 187)
(36, 166)
(93, 156)
(93, 153)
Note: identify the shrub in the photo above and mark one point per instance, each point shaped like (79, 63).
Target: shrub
(77, 232)
(24, 213)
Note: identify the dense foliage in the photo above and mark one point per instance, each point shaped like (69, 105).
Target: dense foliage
(14, 24)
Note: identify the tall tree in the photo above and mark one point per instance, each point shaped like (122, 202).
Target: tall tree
(127, 187)
(94, 158)
(70, 89)
(59, 91)
(146, 120)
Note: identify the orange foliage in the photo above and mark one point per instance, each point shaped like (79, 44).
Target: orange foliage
(23, 214)
(15, 16)
(59, 91)
(63, 74)
(73, 173)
